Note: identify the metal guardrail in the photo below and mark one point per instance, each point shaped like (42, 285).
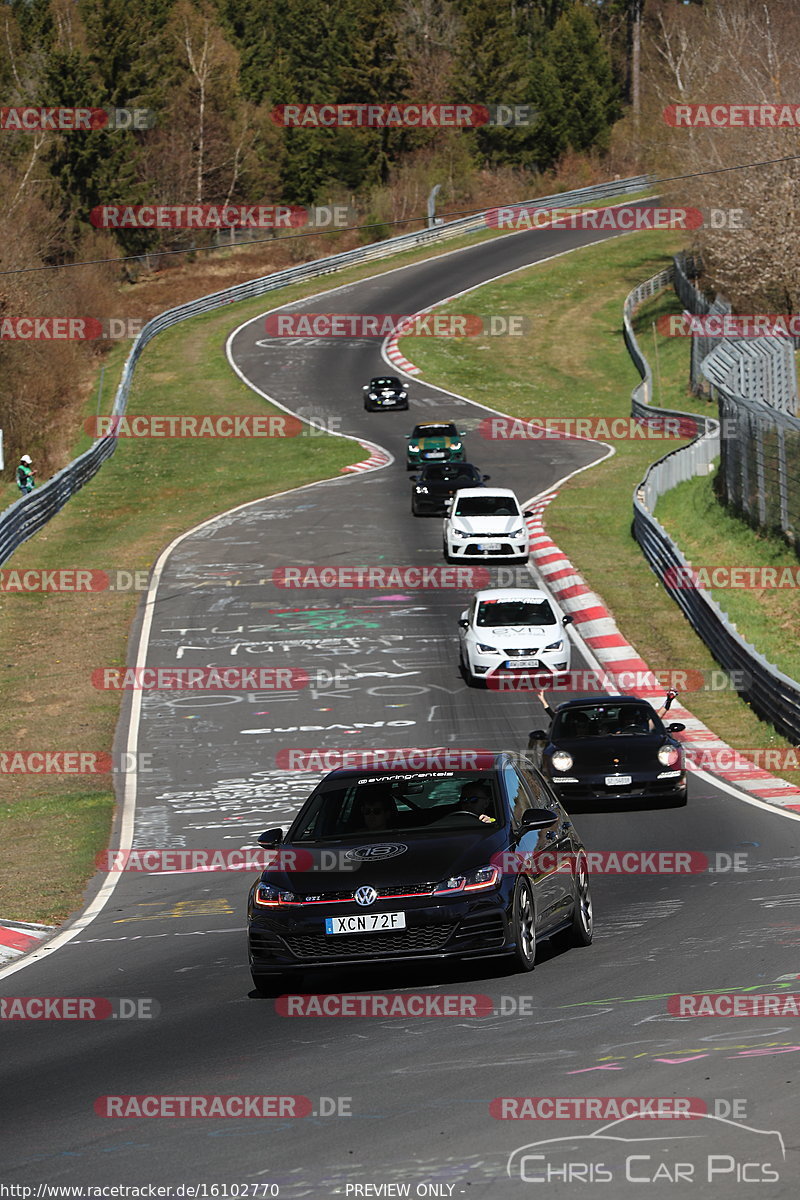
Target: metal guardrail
(773, 696)
(27, 515)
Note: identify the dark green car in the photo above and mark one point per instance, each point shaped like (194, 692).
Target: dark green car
(434, 442)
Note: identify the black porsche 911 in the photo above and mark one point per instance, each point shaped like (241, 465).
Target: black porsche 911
(438, 482)
(614, 748)
(384, 866)
(385, 391)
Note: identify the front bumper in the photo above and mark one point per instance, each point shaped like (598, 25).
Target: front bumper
(511, 548)
(493, 666)
(455, 929)
(643, 786)
(386, 402)
(434, 456)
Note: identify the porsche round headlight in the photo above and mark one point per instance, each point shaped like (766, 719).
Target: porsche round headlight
(561, 760)
(668, 756)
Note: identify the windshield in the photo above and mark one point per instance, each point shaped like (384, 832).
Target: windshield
(495, 613)
(448, 473)
(605, 720)
(487, 506)
(398, 804)
(385, 383)
(423, 431)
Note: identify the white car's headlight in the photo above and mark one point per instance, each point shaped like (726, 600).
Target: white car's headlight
(554, 645)
(561, 760)
(517, 532)
(484, 649)
(462, 533)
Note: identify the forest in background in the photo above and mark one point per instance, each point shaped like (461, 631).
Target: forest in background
(598, 75)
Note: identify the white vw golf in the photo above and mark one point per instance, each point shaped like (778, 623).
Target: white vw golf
(485, 523)
(510, 630)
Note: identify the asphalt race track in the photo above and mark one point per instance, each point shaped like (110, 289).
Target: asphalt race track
(409, 1097)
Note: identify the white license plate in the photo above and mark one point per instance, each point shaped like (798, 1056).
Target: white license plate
(618, 780)
(434, 454)
(366, 923)
(489, 545)
(522, 662)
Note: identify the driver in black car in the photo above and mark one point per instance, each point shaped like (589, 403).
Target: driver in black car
(476, 798)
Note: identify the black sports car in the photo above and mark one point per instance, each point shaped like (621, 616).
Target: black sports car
(385, 391)
(612, 748)
(382, 866)
(438, 482)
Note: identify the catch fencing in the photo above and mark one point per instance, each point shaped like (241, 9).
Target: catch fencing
(754, 382)
(773, 696)
(27, 515)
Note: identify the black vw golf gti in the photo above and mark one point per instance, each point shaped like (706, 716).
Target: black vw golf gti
(382, 866)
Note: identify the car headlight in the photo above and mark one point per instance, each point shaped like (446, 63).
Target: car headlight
(462, 533)
(421, 491)
(455, 445)
(554, 645)
(414, 449)
(373, 395)
(402, 395)
(473, 881)
(668, 756)
(517, 532)
(561, 760)
(267, 896)
(487, 649)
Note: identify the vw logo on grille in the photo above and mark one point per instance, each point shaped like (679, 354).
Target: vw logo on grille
(366, 895)
(379, 851)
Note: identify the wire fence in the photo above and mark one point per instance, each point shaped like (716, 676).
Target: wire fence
(754, 382)
(773, 696)
(27, 515)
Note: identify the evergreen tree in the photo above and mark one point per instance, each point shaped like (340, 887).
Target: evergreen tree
(583, 67)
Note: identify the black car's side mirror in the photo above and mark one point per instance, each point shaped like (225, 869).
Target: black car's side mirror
(675, 727)
(567, 620)
(463, 623)
(538, 818)
(528, 512)
(270, 838)
(486, 478)
(537, 735)
(414, 478)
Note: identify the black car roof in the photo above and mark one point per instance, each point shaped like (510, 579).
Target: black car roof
(582, 701)
(455, 468)
(494, 759)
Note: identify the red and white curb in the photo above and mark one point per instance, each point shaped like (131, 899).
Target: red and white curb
(377, 458)
(597, 628)
(393, 353)
(17, 938)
